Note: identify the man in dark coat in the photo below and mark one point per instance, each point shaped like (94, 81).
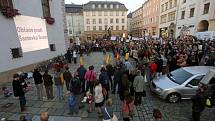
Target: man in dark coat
(18, 89)
(81, 72)
(67, 76)
(38, 82)
(199, 102)
(110, 72)
(48, 85)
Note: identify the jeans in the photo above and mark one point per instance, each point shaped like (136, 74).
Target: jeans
(22, 102)
(138, 98)
(60, 91)
(89, 86)
(39, 91)
(196, 116)
(49, 92)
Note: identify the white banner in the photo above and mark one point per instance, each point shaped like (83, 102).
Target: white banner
(32, 33)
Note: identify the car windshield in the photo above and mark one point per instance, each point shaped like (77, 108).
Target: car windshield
(179, 76)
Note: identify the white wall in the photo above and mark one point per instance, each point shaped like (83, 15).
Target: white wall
(9, 39)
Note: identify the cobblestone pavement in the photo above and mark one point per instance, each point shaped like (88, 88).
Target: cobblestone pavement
(59, 112)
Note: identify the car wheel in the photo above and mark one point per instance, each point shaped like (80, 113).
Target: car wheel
(173, 97)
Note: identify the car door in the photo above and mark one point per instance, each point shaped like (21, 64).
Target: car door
(191, 87)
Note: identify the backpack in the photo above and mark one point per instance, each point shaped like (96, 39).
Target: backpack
(75, 85)
(72, 101)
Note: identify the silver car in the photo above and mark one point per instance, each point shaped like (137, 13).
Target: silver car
(181, 83)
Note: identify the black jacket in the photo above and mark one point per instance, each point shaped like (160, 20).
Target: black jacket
(18, 88)
(47, 80)
(37, 77)
(199, 102)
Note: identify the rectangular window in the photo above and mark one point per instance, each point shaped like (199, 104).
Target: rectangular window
(123, 13)
(117, 20)
(16, 52)
(106, 21)
(206, 8)
(52, 47)
(182, 14)
(100, 21)
(166, 6)
(4, 3)
(100, 28)
(170, 4)
(94, 28)
(93, 13)
(175, 3)
(162, 8)
(111, 20)
(123, 20)
(117, 27)
(111, 27)
(106, 27)
(88, 21)
(46, 8)
(88, 28)
(123, 27)
(192, 12)
(94, 21)
(171, 16)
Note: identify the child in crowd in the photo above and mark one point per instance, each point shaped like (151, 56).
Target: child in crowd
(73, 107)
(7, 92)
(89, 99)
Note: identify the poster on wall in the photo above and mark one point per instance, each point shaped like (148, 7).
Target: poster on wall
(32, 33)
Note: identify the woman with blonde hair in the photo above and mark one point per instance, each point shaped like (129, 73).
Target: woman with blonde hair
(107, 111)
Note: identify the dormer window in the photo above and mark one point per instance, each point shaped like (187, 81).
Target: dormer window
(99, 6)
(105, 6)
(117, 6)
(93, 6)
(111, 6)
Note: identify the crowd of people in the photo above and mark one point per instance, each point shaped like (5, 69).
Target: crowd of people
(122, 78)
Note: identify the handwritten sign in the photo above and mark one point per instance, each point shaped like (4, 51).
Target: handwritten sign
(32, 33)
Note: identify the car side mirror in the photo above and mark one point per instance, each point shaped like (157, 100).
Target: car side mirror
(189, 85)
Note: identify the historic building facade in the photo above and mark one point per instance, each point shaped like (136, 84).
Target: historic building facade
(194, 16)
(103, 19)
(151, 12)
(168, 17)
(14, 52)
(75, 22)
(137, 22)
(129, 23)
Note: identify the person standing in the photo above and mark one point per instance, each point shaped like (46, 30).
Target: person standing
(59, 84)
(104, 80)
(75, 56)
(139, 85)
(117, 78)
(199, 102)
(81, 72)
(107, 111)
(127, 107)
(124, 86)
(110, 72)
(38, 82)
(48, 85)
(67, 76)
(18, 90)
(68, 56)
(90, 77)
(99, 98)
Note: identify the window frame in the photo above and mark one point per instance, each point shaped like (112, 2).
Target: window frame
(8, 2)
(52, 47)
(206, 11)
(15, 51)
(46, 8)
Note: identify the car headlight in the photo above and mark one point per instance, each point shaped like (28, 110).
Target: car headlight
(159, 89)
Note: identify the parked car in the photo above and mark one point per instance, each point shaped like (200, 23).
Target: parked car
(181, 83)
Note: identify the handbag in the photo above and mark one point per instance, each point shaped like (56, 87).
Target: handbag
(208, 103)
(114, 116)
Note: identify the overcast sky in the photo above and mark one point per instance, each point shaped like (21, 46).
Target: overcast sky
(130, 4)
